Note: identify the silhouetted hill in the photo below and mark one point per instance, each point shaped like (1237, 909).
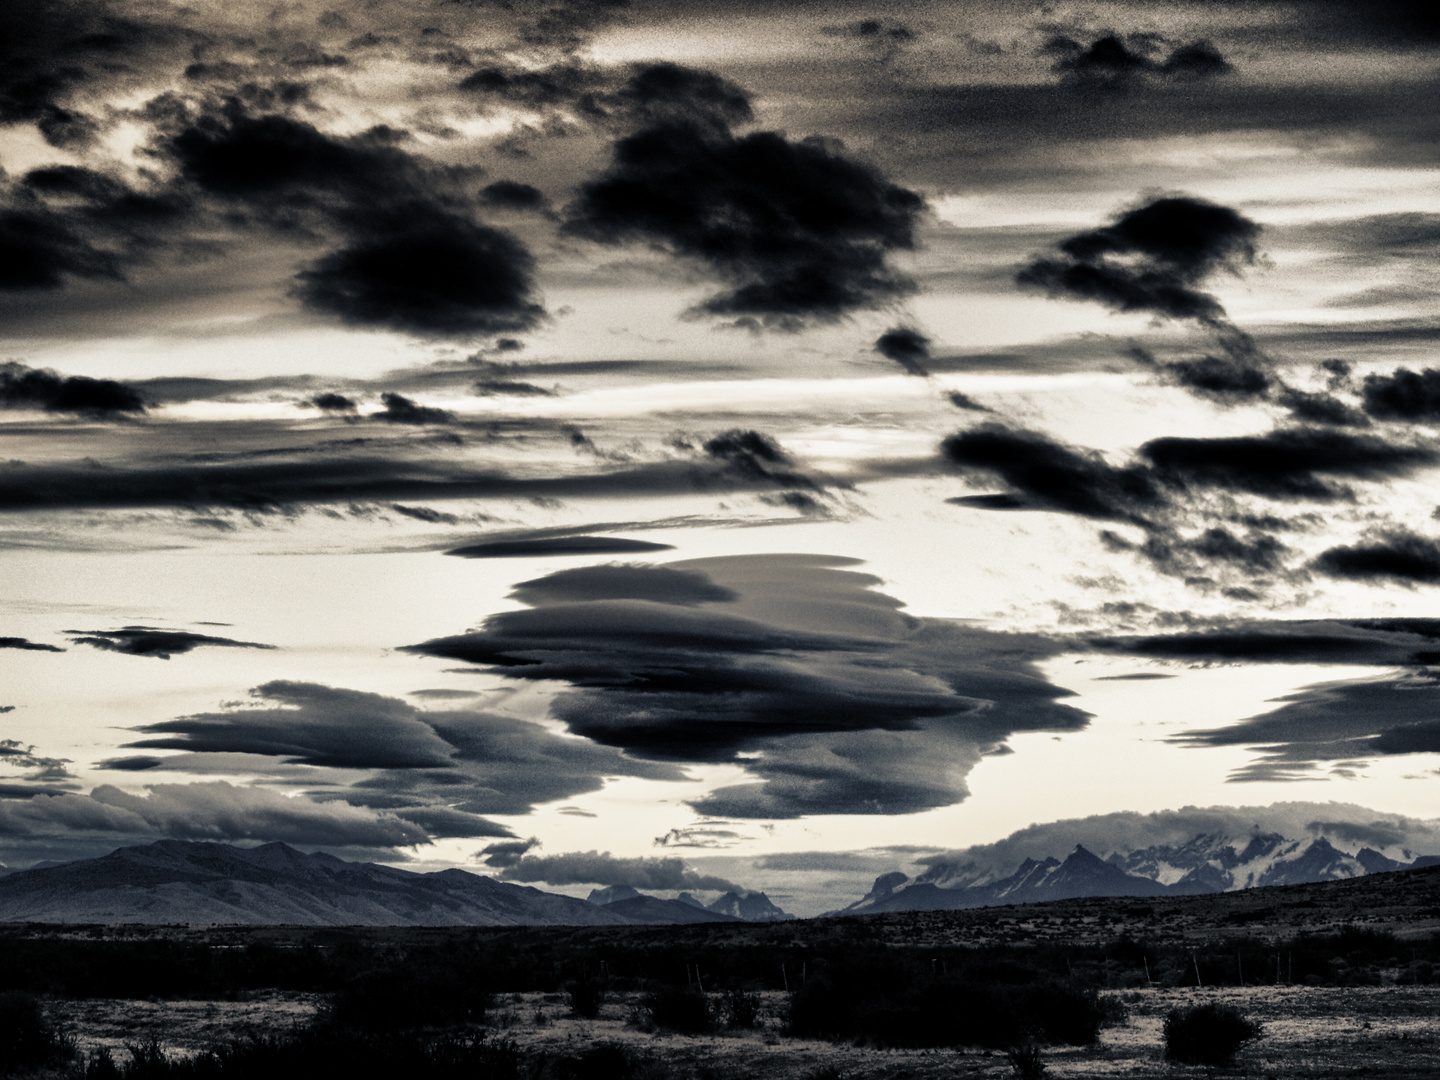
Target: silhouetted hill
(176, 881)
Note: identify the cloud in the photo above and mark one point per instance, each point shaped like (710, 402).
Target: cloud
(506, 852)
(1380, 642)
(46, 770)
(1346, 721)
(310, 724)
(414, 259)
(907, 347)
(800, 231)
(1109, 63)
(28, 388)
(1048, 475)
(826, 693)
(1127, 830)
(1283, 464)
(215, 810)
(1403, 395)
(66, 221)
(1151, 259)
(557, 545)
(332, 402)
(513, 195)
(152, 641)
(1397, 555)
(602, 868)
(628, 97)
(401, 410)
(755, 456)
(428, 274)
(25, 643)
(439, 769)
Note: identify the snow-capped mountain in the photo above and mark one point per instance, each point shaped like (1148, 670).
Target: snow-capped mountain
(1207, 864)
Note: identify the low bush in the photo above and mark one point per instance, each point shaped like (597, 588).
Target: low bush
(741, 1009)
(585, 997)
(403, 997)
(675, 1008)
(27, 1039)
(1025, 1061)
(1208, 1034)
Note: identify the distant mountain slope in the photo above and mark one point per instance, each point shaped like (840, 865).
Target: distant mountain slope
(652, 909)
(1207, 864)
(752, 907)
(175, 881)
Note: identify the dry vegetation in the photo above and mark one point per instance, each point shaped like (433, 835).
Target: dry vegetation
(1342, 979)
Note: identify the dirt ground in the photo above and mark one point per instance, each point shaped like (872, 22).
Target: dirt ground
(1391, 1032)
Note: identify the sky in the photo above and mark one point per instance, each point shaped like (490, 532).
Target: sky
(726, 445)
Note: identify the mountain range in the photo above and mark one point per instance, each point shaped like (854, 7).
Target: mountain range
(731, 907)
(177, 881)
(1210, 863)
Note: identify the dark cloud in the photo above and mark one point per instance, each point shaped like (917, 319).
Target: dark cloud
(309, 724)
(439, 770)
(629, 97)
(428, 274)
(28, 388)
(367, 474)
(24, 643)
(52, 49)
(602, 868)
(65, 221)
(513, 195)
(656, 584)
(1379, 642)
(1110, 63)
(1284, 464)
(1151, 259)
(414, 258)
(1050, 476)
(44, 770)
(907, 347)
(401, 410)
(215, 810)
(332, 402)
(557, 545)
(1395, 555)
(755, 456)
(152, 641)
(800, 231)
(510, 388)
(1333, 722)
(829, 692)
(1403, 395)
(506, 852)
(1320, 408)
(965, 402)
(425, 514)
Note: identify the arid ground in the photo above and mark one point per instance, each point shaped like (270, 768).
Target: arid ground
(1391, 1032)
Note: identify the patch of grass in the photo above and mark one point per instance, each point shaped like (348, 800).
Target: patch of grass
(1025, 1061)
(1208, 1034)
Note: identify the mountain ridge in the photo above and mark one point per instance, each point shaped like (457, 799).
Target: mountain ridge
(1210, 863)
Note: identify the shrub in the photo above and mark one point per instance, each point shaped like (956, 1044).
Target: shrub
(895, 1003)
(1025, 1060)
(403, 997)
(683, 1009)
(27, 1040)
(1207, 1034)
(586, 996)
(742, 1010)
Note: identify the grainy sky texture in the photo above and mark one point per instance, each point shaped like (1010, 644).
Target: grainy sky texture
(741, 443)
